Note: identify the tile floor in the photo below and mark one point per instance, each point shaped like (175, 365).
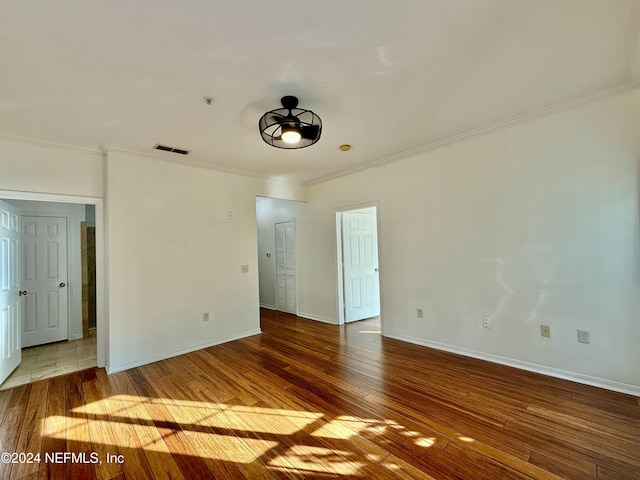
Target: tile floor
(45, 361)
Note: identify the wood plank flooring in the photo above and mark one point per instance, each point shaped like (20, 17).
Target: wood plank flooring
(310, 400)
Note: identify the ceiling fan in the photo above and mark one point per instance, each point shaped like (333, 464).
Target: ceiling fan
(290, 127)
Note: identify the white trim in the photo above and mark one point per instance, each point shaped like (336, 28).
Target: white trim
(358, 206)
(530, 367)
(181, 351)
(268, 307)
(618, 89)
(47, 144)
(48, 197)
(339, 274)
(317, 318)
(104, 148)
(194, 162)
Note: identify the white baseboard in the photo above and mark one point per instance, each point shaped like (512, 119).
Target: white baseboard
(268, 307)
(181, 351)
(531, 367)
(308, 316)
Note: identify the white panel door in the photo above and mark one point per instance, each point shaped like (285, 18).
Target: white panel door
(10, 347)
(44, 278)
(360, 256)
(286, 267)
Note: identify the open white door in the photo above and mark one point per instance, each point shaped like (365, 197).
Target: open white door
(10, 346)
(360, 257)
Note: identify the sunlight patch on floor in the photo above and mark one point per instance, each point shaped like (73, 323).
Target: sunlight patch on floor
(236, 433)
(219, 446)
(227, 448)
(317, 459)
(425, 442)
(206, 414)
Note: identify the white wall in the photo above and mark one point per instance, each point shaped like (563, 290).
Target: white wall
(52, 169)
(75, 215)
(32, 170)
(174, 254)
(536, 223)
(270, 211)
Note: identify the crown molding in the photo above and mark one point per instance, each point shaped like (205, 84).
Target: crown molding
(48, 144)
(103, 149)
(616, 90)
(193, 162)
(174, 158)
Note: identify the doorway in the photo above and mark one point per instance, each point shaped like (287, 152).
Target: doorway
(358, 263)
(277, 222)
(79, 351)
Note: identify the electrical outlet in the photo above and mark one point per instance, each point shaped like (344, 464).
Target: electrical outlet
(583, 336)
(486, 322)
(419, 313)
(205, 317)
(244, 268)
(545, 331)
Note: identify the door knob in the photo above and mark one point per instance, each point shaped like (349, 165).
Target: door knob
(376, 270)
(22, 292)
(63, 284)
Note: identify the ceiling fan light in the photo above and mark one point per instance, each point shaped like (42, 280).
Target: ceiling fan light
(291, 135)
(290, 127)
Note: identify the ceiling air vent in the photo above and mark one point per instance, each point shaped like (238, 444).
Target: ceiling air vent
(170, 149)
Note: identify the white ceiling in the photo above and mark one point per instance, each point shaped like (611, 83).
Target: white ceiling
(385, 76)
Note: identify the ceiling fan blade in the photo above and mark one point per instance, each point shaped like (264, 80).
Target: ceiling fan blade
(276, 118)
(310, 132)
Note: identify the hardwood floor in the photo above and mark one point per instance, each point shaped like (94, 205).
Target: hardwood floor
(310, 400)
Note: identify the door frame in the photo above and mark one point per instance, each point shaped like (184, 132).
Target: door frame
(339, 257)
(101, 293)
